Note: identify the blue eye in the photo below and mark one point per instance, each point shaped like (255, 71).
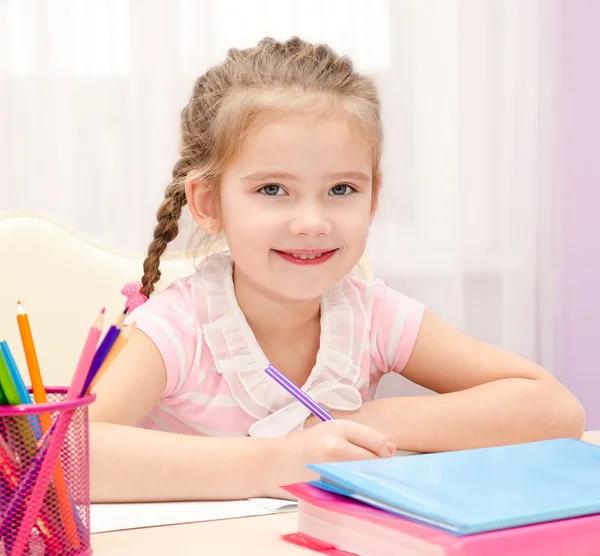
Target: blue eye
(272, 190)
(341, 190)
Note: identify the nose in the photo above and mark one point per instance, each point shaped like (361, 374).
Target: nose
(310, 220)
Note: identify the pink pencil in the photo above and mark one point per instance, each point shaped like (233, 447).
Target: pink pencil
(85, 360)
(58, 436)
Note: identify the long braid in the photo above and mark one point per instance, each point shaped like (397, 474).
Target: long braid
(166, 229)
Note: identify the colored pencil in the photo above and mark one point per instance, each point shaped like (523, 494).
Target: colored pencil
(6, 380)
(25, 443)
(103, 350)
(29, 426)
(13, 481)
(112, 354)
(41, 470)
(4, 447)
(20, 387)
(87, 356)
(67, 510)
(14, 373)
(302, 397)
(39, 392)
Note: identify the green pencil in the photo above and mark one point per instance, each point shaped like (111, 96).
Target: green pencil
(26, 448)
(9, 389)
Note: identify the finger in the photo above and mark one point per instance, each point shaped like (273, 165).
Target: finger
(352, 452)
(311, 422)
(366, 438)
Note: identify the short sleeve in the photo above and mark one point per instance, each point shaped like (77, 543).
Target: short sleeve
(169, 320)
(395, 323)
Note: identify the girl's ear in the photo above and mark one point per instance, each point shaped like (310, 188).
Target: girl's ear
(200, 199)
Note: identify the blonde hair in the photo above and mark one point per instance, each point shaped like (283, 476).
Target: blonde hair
(272, 77)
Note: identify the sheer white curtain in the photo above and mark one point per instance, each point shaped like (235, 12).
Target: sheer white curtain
(91, 92)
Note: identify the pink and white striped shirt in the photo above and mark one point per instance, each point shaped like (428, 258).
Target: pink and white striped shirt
(216, 384)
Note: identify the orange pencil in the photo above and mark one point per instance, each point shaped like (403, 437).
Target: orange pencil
(39, 392)
(112, 354)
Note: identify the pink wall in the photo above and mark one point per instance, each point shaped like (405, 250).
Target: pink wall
(578, 204)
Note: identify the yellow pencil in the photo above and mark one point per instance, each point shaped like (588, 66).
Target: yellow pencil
(112, 354)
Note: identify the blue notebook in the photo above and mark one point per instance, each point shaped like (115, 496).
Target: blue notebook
(473, 491)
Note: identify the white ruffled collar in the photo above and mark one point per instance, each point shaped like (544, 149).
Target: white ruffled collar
(239, 358)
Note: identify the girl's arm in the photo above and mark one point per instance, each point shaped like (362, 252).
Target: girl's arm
(133, 464)
(488, 397)
(138, 465)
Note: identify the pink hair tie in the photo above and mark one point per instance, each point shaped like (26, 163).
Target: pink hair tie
(135, 298)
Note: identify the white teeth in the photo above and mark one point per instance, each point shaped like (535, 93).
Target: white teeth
(304, 256)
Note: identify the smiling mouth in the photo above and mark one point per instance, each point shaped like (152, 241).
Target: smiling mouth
(306, 257)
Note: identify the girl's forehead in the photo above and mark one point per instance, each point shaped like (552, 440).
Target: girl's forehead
(303, 136)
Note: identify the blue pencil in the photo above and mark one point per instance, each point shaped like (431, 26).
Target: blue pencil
(17, 380)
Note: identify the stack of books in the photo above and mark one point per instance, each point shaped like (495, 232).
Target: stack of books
(533, 499)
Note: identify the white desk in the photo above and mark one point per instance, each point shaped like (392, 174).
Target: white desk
(251, 536)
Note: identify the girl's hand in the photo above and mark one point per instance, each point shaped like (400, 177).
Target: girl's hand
(330, 441)
(355, 415)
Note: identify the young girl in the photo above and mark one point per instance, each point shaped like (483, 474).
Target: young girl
(280, 152)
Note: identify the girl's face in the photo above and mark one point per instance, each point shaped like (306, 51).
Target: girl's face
(295, 205)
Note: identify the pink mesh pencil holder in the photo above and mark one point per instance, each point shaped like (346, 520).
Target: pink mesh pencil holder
(45, 444)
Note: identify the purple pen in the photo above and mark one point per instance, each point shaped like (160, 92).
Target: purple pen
(302, 397)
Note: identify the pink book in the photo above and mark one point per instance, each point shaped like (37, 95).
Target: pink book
(337, 526)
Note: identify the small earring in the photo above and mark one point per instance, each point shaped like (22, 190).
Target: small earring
(212, 227)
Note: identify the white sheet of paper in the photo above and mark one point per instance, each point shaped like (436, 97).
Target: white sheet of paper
(275, 505)
(118, 517)
(400, 453)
